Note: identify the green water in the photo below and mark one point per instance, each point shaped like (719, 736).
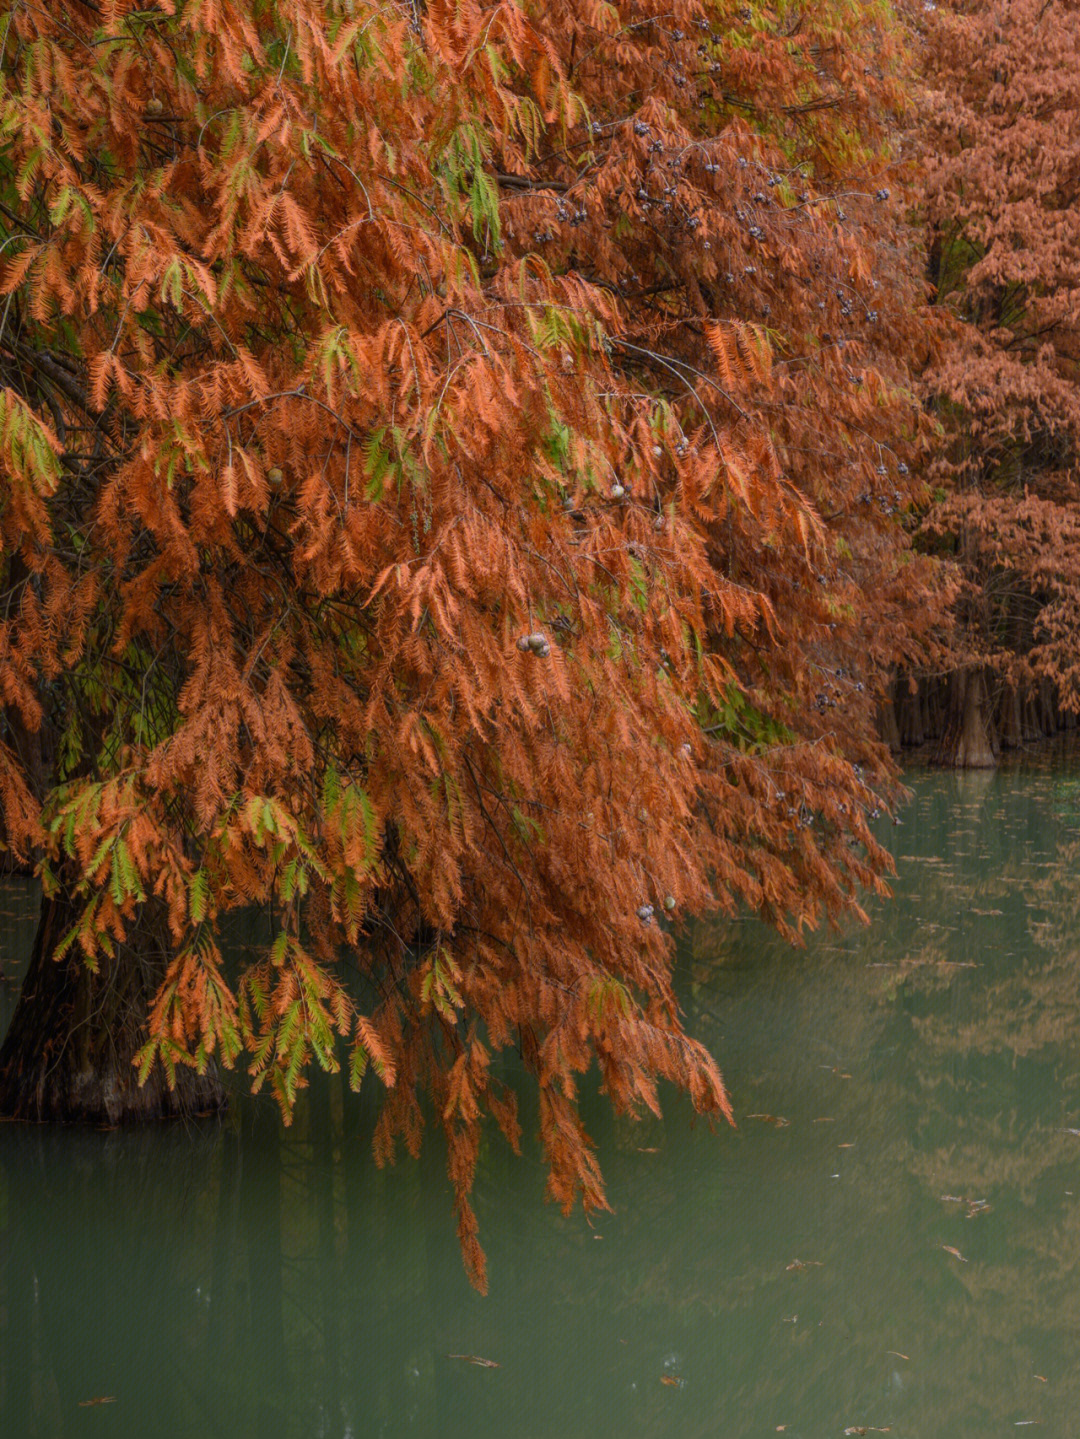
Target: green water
(235, 1279)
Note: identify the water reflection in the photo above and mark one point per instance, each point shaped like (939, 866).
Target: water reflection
(891, 1243)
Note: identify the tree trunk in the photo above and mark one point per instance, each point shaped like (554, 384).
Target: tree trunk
(925, 711)
(887, 726)
(69, 1049)
(1049, 708)
(1010, 724)
(967, 741)
(909, 717)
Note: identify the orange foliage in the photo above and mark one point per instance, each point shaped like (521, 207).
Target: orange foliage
(1000, 134)
(456, 460)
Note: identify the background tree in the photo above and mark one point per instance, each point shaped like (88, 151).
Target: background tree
(1000, 139)
(454, 473)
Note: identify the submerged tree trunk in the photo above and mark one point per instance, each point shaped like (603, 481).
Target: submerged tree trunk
(1010, 722)
(888, 728)
(909, 718)
(69, 1049)
(967, 741)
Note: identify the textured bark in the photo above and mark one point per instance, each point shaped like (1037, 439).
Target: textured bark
(919, 715)
(926, 711)
(910, 717)
(68, 1053)
(1050, 711)
(1010, 724)
(887, 725)
(968, 740)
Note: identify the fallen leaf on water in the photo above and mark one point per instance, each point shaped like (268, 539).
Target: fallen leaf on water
(101, 1399)
(954, 1252)
(475, 1359)
(897, 1355)
(1041, 1378)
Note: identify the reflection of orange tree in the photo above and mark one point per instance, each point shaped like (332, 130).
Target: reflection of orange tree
(1017, 933)
(976, 994)
(990, 1084)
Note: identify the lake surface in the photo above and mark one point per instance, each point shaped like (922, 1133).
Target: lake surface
(891, 1244)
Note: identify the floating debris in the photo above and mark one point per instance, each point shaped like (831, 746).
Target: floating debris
(954, 1252)
(974, 1206)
